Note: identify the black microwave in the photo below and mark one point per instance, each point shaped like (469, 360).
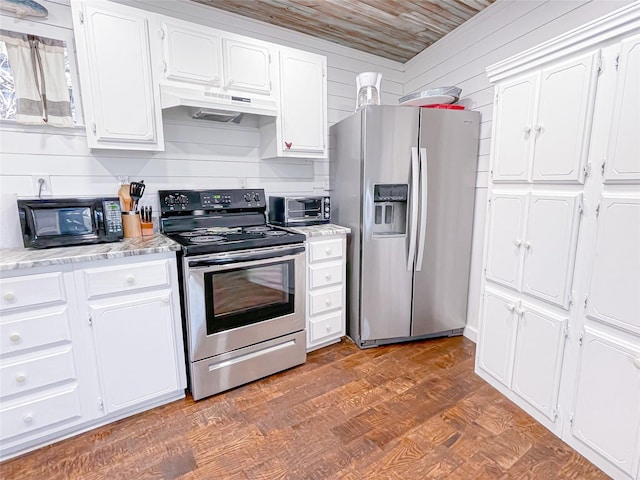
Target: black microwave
(292, 211)
(59, 222)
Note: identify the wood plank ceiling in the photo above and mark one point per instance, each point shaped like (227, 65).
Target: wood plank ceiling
(394, 29)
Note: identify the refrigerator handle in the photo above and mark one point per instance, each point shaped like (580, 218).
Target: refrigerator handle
(415, 171)
(423, 207)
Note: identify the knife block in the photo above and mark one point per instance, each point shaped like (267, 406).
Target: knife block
(131, 225)
(147, 228)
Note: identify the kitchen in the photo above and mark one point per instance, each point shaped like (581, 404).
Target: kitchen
(73, 169)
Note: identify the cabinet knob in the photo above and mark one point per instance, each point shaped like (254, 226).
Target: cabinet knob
(636, 362)
(131, 279)
(328, 328)
(27, 418)
(537, 127)
(328, 302)
(9, 297)
(328, 276)
(216, 78)
(15, 337)
(527, 245)
(21, 378)
(517, 242)
(510, 307)
(230, 82)
(519, 311)
(526, 129)
(328, 251)
(165, 299)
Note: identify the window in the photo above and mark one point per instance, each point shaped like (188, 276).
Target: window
(7, 85)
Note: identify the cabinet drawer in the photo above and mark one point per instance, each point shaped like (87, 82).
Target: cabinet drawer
(31, 290)
(35, 330)
(325, 250)
(22, 377)
(122, 279)
(324, 301)
(325, 275)
(327, 327)
(40, 413)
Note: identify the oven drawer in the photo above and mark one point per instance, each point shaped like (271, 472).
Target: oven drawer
(38, 372)
(30, 290)
(325, 250)
(325, 301)
(229, 370)
(35, 329)
(125, 278)
(41, 413)
(324, 275)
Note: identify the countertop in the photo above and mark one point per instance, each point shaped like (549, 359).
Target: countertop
(325, 230)
(14, 259)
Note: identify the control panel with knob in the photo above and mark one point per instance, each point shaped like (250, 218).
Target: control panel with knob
(194, 201)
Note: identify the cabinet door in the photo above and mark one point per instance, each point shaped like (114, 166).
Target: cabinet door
(623, 156)
(550, 246)
(135, 348)
(247, 67)
(513, 130)
(606, 414)
(192, 54)
(121, 100)
(615, 277)
(563, 123)
(506, 225)
(538, 358)
(303, 102)
(497, 334)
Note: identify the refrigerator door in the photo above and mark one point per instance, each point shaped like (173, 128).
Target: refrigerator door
(389, 133)
(449, 144)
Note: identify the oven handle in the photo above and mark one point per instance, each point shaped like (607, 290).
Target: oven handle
(244, 257)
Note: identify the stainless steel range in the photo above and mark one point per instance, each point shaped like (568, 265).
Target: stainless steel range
(242, 287)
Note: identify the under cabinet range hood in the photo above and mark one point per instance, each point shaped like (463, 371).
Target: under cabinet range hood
(174, 96)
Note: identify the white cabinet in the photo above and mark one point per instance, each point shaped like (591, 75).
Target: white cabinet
(191, 53)
(521, 346)
(247, 66)
(543, 121)
(45, 388)
(86, 344)
(326, 293)
(606, 412)
(531, 242)
(301, 127)
(623, 156)
(120, 97)
(559, 330)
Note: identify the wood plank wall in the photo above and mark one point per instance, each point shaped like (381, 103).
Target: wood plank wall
(503, 29)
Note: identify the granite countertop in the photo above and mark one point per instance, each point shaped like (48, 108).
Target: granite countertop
(14, 259)
(324, 230)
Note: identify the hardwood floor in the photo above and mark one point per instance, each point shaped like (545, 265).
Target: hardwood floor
(409, 411)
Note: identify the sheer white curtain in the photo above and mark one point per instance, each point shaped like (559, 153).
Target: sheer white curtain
(37, 65)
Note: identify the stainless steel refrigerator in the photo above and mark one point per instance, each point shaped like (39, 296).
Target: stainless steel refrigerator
(403, 179)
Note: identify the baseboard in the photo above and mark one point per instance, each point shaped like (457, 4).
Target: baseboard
(471, 333)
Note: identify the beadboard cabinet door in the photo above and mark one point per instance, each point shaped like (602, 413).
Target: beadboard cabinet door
(606, 415)
(513, 132)
(623, 156)
(613, 297)
(121, 99)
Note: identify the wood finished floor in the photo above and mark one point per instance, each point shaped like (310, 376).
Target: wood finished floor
(410, 411)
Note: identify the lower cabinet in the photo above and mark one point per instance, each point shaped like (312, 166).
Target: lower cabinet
(95, 342)
(326, 268)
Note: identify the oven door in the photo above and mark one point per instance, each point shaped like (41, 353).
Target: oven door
(237, 299)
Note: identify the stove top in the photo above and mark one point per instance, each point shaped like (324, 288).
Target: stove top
(212, 221)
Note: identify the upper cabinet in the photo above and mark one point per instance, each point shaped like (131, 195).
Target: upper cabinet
(191, 53)
(121, 100)
(301, 128)
(247, 66)
(543, 122)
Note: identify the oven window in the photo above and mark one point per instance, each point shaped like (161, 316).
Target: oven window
(62, 221)
(299, 208)
(248, 295)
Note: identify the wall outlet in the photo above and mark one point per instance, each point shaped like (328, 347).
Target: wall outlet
(325, 183)
(242, 182)
(41, 185)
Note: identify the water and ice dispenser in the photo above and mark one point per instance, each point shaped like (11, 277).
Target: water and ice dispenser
(390, 209)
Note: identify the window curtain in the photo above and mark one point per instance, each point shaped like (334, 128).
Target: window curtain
(37, 65)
